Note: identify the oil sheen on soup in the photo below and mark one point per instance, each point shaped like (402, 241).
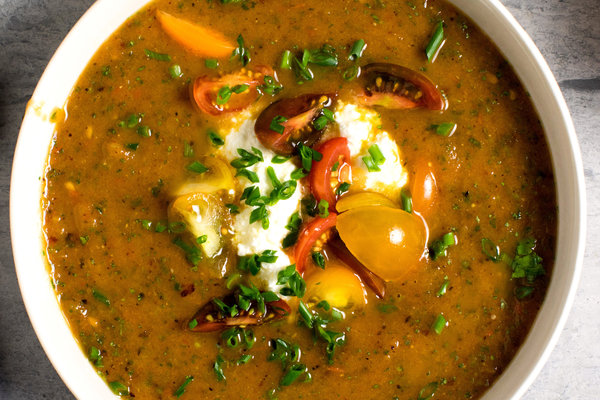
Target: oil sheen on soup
(299, 199)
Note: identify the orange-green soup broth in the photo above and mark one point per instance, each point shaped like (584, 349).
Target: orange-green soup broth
(124, 289)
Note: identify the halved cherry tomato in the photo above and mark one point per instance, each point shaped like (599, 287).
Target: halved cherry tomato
(308, 237)
(363, 199)
(388, 241)
(299, 113)
(210, 318)
(337, 284)
(200, 214)
(397, 87)
(334, 151)
(373, 281)
(218, 177)
(205, 91)
(199, 40)
(423, 187)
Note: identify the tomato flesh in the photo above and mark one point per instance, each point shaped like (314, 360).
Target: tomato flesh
(205, 90)
(388, 241)
(334, 151)
(308, 237)
(396, 87)
(299, 113)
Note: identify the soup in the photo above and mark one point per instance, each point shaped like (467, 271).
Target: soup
(291, 200)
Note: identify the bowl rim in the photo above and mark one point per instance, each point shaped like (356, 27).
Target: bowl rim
(524, 367)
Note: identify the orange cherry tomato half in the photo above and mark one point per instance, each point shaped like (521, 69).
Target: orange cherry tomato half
(309, 235)
(228, 93)
(334, 151)
(423, 187)
(397, 87)
(297, 115)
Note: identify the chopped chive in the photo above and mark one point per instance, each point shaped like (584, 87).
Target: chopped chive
(215, 138)
(233, 209)
(84, 239)
(175, 71)
(279, 159)
(286, 60)
(350, 73)
(201, 239)
(376, 154)
(197, 167)
(444, 129)
(428, 391)
(435, 43)
(157, 56)
(370, 164)
(490, 249)
(181, 389)
(244, 359)
(100, 297)
(298, 174)
(144, 131)
(276, 124)
(218, 368)
(343, 188)
(444, 288)
(293, 373)
(250, 175)
(318, 259)
(193, 323)
(132, 146)
(237, 89)
(323, 208)
(439, 324)
(406, 199)
(211, 63)
(524, 291)
(188, 150)
(357, 50)
(439, 248)
(223, 95)
(118, 388)
(241, 51)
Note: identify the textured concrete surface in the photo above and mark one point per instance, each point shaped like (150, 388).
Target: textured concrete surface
(568, 35)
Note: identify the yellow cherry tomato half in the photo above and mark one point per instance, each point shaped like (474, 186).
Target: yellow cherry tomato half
(200, 215)
(388, 241)
(336, 284)
(218, 177)
(363, 199)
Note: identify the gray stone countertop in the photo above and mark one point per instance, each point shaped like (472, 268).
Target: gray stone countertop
(566, 31)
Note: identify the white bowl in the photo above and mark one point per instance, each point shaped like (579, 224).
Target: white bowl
(105, 16)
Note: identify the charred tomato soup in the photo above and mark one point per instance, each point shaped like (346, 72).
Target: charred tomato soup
(282, 199)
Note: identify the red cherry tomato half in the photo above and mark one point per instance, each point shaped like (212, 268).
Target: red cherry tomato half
(297, 114)
(309, 235)
(205, 91)
(334, 151)
(397, 87)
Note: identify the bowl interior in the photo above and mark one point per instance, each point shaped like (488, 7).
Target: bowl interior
(107, 15)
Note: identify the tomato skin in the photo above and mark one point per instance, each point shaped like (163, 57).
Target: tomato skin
(203, 91)
(431, 97)
(320, 173)
(423, 187)
(300, 112)
(366, 276)
(309, 235)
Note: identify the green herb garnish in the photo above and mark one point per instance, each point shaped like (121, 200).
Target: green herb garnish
(435, 43)
(181, 389)
(157, 56)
